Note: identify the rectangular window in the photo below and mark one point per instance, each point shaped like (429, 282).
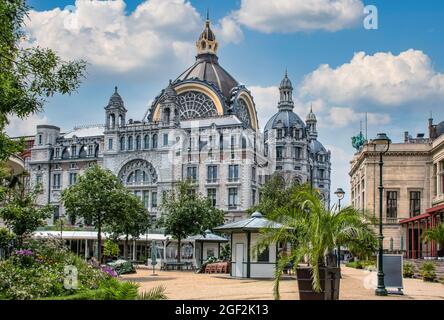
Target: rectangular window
(415, 203)
(74, 152)
(165, 139)
(253, 197)
(57, 153)
(321, 173)
(40, 139)
(192, 173)
(56, 181)
(232, 197)
(90, 151)
(253, 174)
(212, 194)
(392, 204)
(233, 172)
(110, 144)
(38, 179)
(279, 133)
(154, 199)
(212, 173)
(279, 153)
(72, 178)
(146, 196)
(263, 255)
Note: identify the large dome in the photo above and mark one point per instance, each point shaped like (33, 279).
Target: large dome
(284, 119)
(207, 68)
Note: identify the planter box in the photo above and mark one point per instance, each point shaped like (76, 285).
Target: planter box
(330, 280)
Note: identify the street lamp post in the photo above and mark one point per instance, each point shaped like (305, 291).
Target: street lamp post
(340, 194)
(382, 145)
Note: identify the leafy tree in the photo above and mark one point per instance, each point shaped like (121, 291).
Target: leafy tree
(436, 234)
(110, 248)
(313, 231)
(133, 219)
(185, 213)
(28, 76)
(96, 198)
(21, 213)
(274, 194)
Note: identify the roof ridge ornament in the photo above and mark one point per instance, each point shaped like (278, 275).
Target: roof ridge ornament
(207, 43)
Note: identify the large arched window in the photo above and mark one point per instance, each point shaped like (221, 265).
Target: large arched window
(146, 142)
(138, 143)
(154, 143)
(138, 172)
(130, 143)
(194, 104)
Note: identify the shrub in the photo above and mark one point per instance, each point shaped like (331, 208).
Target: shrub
(361, 264)
(122, 267)
(38, 271)
(408, 270)
(428, 271)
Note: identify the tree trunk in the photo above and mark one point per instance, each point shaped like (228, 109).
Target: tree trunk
(125, 248)
(178, 248)
(99, 240)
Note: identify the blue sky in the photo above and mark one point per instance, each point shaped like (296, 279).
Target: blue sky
(398, 79)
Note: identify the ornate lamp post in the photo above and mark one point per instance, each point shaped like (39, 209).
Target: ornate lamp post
(340, 194)
(382, 145)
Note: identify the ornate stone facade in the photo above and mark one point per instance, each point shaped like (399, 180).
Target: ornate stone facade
(202, 126)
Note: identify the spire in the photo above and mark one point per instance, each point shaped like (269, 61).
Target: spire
(115, 89)
(311, 122)
(286, 94)
(207, 43)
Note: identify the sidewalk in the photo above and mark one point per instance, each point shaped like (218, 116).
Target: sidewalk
(355, 285)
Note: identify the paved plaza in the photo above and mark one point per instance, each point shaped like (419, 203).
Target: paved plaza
(355, 285)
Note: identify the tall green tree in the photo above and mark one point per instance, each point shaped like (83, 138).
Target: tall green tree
(28, 76)
(185, 213)
(21, 213)
(275, 193)
(436, 234)
(133, 219)
(96, 198)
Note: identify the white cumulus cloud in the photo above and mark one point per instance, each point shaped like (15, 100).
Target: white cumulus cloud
(382, 78)
(24, 127)
(341, 117)
(104, 35)
(286, 16)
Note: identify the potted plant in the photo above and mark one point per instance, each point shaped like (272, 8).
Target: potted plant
(314, 231)
(436, 234)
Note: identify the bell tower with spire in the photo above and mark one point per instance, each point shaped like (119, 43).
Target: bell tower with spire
(311, 122)
(207, 43)
(286, 94)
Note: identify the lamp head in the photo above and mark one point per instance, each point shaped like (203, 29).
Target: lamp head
(340, 193)
(382, 142)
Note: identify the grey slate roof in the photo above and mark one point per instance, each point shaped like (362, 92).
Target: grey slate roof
(316, 147)
(254, 223)
(209, 237)
(207, 68)
(287, 118)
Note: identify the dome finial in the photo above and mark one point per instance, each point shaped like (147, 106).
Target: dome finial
(115, 89)
(311, 107)
(207, 42)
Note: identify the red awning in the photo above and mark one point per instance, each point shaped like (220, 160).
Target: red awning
(420, 217)
(435, 209)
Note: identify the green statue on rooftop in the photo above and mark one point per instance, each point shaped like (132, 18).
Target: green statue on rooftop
(358, 141)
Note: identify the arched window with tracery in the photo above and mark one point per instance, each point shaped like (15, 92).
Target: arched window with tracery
(138, 172)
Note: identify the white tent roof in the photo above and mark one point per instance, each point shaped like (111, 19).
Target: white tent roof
(92, 235)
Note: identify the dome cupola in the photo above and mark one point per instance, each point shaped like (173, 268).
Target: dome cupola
(286, 94)
(207, 43)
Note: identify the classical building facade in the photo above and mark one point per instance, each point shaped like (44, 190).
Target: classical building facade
(413, 179)
(203, 126)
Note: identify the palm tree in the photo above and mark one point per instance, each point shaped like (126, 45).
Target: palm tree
(436, 234)
(314, 231)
